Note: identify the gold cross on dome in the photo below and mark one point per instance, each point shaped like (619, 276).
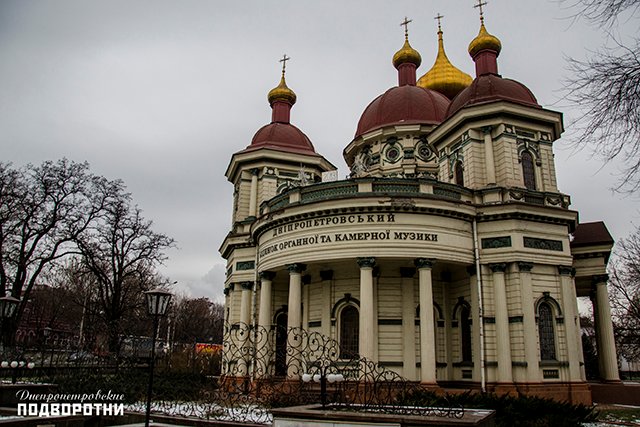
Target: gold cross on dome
(479, 6)
(284, 60)
(439, 18)
(406, 25)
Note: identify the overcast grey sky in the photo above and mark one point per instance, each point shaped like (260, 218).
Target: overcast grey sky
(162, 93)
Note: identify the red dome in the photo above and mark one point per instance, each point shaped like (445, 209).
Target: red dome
(282, 137)
(491, 87)
(406, 104)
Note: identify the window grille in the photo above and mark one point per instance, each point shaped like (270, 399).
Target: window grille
(349, 331)
(547, 336)
(528, 171)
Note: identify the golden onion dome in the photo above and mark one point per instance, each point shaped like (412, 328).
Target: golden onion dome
(483, 41)
(407, 54)
(281, 93)
(443, 76)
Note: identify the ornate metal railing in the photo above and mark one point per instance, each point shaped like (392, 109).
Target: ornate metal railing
(296, 367)
(261, 369)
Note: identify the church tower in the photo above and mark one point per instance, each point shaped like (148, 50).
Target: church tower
(280, 157)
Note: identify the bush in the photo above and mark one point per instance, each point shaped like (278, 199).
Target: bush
(522, 411)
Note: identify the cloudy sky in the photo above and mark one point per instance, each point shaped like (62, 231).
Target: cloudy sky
(161, 93)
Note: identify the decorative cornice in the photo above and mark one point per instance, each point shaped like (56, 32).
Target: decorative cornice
(366, 262)
(499, 267)
(296, 268)
(565, 270)
(525, 267)
(267, 275)
(421, 263)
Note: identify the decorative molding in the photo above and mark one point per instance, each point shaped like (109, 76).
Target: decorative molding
(315, 324)
(267, 275)
(347, 299)
(516, 319)
(247, 286)
(519, 364)
(565, 270)
(366, 262)
(296, 268)
(543, 244)
(499, 267)
(525, 267)
(226, 291)
(496, 242)
(488, 320)
(424, 262)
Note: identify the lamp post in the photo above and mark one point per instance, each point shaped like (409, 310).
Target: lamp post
(157, 303)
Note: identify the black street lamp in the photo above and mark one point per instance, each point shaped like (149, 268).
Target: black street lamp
(157, 303)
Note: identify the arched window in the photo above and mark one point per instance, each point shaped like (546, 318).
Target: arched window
(528, 171)
(459, 173)
(349, 331)
(465, 333)
(282, 320)
(546, 332)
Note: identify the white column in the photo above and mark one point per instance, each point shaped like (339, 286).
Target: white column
(488, 156)
(266, 280)
(475, 323)
(503, 343)
(604, 329)
(245, 303)
(264, 323)
(571, 321)
(367, 340)
(408, 324)
(245, 319)
(295, 296)
(253, 195)
(531, 355)
(427, 334)
(294, 319)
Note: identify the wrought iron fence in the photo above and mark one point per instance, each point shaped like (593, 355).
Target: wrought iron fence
(260, 369)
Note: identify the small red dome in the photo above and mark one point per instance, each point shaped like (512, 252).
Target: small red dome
(489, 88)
(282, 137)
(406, 104)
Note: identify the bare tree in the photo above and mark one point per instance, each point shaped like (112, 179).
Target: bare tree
(605, 88)
(198, 319)
(121, 251)
(624, 285)
(43, 210)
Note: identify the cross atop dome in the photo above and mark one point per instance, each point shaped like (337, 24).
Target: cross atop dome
(406, 23)
(439, 17)
(284, 60)
(479, 6)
